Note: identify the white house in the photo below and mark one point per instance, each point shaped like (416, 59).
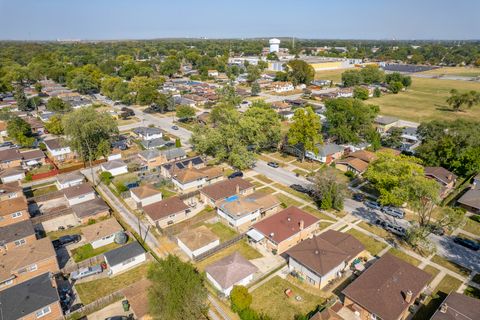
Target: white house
(12, 174)
(148, 133)
(230, 271)
(101, 233)
(280, 86)
(145, 195)
(115, 167)
(212, 73)
(114, 156)
(79, 193)
(124, 258)
(58, 151)
(66, 180)
(197, 241)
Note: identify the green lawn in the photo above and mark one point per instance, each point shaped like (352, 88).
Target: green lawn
(451, 265)
(287, 201)
(94, 290)
(44, 190)
(222, 231)
(432, 270)
(447, 285)
(267, 190)
(282, 157)
(374, 229)
(371, 245)
(301, 172)
(167, 193)
(245, 250)
(472, 226)
(262, 178)
(308, 165)
(293, 192)
(334, 75)
(455, 71)
(404, 256)
(271, 300)
(317, 213)
(59, 233)
(472, 292)
(425, 100)
(86, 251)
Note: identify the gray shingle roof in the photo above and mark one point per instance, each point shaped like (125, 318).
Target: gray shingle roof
(121, 254)
(173, 153)
(330, 148)
(147, 130)
(154, 143)
(27, 297)
(16, 231)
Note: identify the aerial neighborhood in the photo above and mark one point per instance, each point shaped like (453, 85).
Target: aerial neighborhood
(253, 179)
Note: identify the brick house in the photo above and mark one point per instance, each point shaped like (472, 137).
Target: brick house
(212, 194)
(166, 212)
(13, 211)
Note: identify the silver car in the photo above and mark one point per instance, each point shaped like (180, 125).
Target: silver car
(86, 272)
(394, 212)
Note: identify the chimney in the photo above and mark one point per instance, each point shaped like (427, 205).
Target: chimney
(302, 224)
(237, 189)
(190, 165)
(443, 308)
(408, 296)
(272, 234)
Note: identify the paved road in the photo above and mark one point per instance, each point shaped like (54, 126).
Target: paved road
(280, 175)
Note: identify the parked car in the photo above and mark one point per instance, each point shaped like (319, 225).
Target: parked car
(236, 174)
(273, 164)
(86, 272)
(358, 197)
(65, 240)
(395, 229)
(394, 212)
(175, 127)
(467, 243)
(300, 188)
(373, 205)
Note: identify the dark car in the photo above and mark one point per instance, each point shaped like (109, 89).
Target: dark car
(236, 174)
(273, 164)
(358, 197)
(467, 243)
(175, 127)
(300, 188)
(64, 240)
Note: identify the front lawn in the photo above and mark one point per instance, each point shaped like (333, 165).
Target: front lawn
(287, 201)
(96, 289)
(432, 270)
(317, 213)
(472, 226)
(271, 300)
(371, 245)
(374, 229)
(404, 256)
(86, 251)
(263, 178)
(292, 192)
(451, 265)
(242, 247)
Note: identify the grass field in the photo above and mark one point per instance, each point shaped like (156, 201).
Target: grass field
(317, 213)
(432, 270)
(371, 245)
(451, 265)
(455, 71)
(270, 299)
(472, 226)
(334, 75)
(292, 192)
(425, 100)
(287, 201)
(222, 231)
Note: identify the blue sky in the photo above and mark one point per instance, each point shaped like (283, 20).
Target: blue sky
(146, 19)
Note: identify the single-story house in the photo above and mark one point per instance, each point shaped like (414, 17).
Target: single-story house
(470, 200)
(125, 257)
(230, 271)
(66, 180)
(280, 86)
(326, 153)
(445, 179)
(168, 169)
(224, 189)
(458, 306)
(58, 150)
(148, 133)
(243, 210)
(36, 298)
(154, 143)
(10, 158)
(13, 211)
(12, 174)
(190, 178)
(101, 233)
(197, 241)
(386, 289)
(115, 167)
(79, 193)
(145, 195)
(16, 235)
(92, 209)
(155, 158)
(364, 155)
(284, 229)
(10, 190)
(166, 212)
(352, 164)
(324, 257)
(385, 123)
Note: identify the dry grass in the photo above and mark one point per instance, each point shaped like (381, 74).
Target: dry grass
(242, 247)
(450, 265)
(455, 71)
(404, 256)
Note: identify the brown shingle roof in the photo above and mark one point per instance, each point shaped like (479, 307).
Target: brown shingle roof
(326, 251)
(326, 314)
(226, 188)
(458, 307)
(13, 205)
(90, 208)
(364, 155)
(197, 238)
(53, 144)
(164, 208)
(284, 224)
(471, 198)
(244, 205)
(75, 191)
(381, 288)
(101, 229)
(355, 163)
(145, 191)
(230, 270)
(440, 174)
(192, 174)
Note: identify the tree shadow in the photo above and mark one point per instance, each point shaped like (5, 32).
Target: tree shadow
(445, 108)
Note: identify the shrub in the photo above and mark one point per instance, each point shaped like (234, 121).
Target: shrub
(106, 177)
(240, 298)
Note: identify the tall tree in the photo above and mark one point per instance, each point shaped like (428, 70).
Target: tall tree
(305, 129)
(54, 125)
(300, 71)
(255, 90)
(177, 290)
(21, 99)
(185, 112)
(360, 93)
(58, 105)
(20, 131)
(329, 189)
(352, 78)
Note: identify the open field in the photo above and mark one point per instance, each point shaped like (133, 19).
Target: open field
(270, 299)
(334, 75)
(425, 100)
(455, 71)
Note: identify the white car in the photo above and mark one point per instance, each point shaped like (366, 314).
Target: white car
(394, 212)
(86, 272)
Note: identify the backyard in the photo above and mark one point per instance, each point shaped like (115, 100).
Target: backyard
(87, 251)
(242, 247)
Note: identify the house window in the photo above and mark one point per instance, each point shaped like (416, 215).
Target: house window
(310, 280)
(17, 214)
(20, 242)
(128, 261)
(32, 267)
(42, 312)
(6, 283)
(12, 195)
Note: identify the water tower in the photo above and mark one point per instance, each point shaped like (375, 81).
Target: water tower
(274, 45)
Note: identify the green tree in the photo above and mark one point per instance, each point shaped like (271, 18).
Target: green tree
(300, 71)
(38, 87)
(180, 288)
(240, 298)
(145, 89)
(272, 56)
(360, 93)
(54, 125)
(329, 189)
(394, 138)
(178, 143)
(85, 79)
(395, 87)
(228, 95)
(58, 105)
(305, 129)
(185, 112)
(377, 92)
(255, 90)
(372, 74)
(351, 78)
(170, 66)
(20, 131)
(21, 99)
(253, 73)
(106, 177)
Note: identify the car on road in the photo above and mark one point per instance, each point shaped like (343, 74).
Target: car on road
(86, 272)
(373, 205)
(273, 164)
(467, 243)
(393, 228)
(175, 127)
(394, 212)
(65, 240)
(300, 188)
(358, 197)
(236, 174)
